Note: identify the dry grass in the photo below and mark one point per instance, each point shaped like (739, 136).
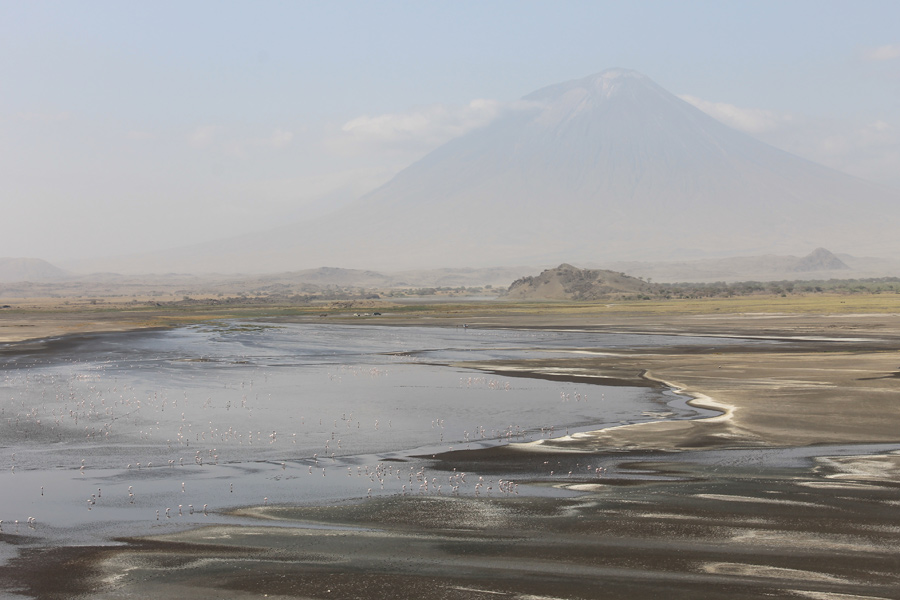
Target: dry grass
(30, 318)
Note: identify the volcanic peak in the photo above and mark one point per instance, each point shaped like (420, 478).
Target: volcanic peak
(602, 85)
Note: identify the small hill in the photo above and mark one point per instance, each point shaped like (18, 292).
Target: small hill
(28, 269)
(820, 259)
(566, 282)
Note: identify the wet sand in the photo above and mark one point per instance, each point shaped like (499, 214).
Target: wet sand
(709, 508)
(33, 321)
(806, 393)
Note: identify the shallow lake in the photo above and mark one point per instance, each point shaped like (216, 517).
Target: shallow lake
(134, 433)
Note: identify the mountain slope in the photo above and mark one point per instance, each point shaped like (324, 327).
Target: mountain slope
(608, 167)
(28, 269)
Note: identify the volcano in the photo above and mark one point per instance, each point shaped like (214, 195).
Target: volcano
(608, 167)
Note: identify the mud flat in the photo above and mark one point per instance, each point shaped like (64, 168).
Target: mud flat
(791, 490)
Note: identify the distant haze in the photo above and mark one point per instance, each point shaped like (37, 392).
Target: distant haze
(610, 167)
(129, 127)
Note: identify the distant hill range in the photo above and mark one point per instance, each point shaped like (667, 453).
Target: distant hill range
(327, 281)
(566, 282)
(28, 269)
(610, 167)
(819, 264)
(34, 278)
(447, 277)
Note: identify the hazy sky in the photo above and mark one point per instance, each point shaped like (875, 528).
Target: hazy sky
(130, 126)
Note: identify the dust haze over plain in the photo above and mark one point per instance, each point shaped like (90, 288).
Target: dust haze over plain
(350, 137)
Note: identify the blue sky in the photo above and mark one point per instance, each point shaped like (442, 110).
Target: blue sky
(128, 126)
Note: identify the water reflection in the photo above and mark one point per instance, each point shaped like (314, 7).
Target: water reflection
(116, 434)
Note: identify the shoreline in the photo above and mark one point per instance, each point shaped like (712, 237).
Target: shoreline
(695, 400)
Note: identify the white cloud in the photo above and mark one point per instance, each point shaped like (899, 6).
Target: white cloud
(869, 149)
(886, 52)
(280, 138)
(392, 141)
(204, 136)
(429, 125)
(750, 120)
(420, 129)
(875, 134)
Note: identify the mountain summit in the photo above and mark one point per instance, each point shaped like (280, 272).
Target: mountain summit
(607, 167)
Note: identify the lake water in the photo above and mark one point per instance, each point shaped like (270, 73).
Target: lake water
(135, 433)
